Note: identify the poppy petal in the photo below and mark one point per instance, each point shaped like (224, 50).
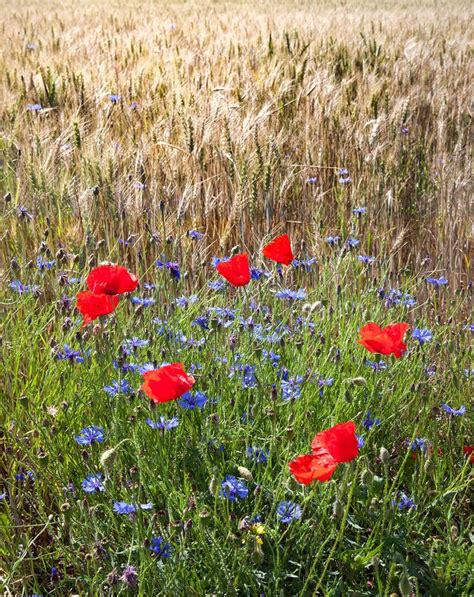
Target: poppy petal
(167, 383)
(279, 250)
(236, 270)
(339, 442)
(308, 468)
(111, 279)
(92, 305)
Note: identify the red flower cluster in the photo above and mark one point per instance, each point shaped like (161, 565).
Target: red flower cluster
(237, 270)
(105, 283)
(329, 448)
(167, 383)
(387, 340)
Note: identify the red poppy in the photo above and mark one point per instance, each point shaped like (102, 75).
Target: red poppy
(93, 305)
(167, 383)
(111, 279)
(308, 468)
(236, 270)
(388, 340)
(469, 451)
(279, 250)
(339, 442)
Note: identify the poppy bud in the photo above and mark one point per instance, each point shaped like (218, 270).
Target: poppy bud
(7, 197)
(337, 509)
(235, 250)
(257, 553)
(245, 473)
(375, 562)
(366, 477)
(384, 455)
(95, 191)
(64, 507)
(428, 466)
(213, 486)
(14, 264)
(404, 585)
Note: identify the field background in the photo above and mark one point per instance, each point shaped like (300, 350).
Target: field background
(234, 120)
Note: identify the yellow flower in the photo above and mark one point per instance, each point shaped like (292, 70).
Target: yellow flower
(258, 528)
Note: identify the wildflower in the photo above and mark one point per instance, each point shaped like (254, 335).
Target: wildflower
(469, 451)
(453, 411)
(191, 402)
(332, 240)
(329, 448)
(344, 177)
(118, 387)
(184, 301)
(114, 98)
(288, 512)
(359, 211)
(124, 508)
(437, 282)
(388, 340)
(202, 322)
(360, 441)
(236, 270)
(43, 264)
(291, 295)
(111, 280)
(89, 435)
(216, 285)
(129, 576)
(352, 242)
(366, 259)
(259, 455)
(304, 264)
(397, 297)
(279, 250)
(403, 502)
(171, 266)
(160, 547)
(249, 379)
(34, 107)
(145, 301)
(256, 274)
(376, 366)
(274, 358)
(368, 422)
(312, 180)
(132, 344)
(233, 489)
(164, 424)
(422, 335)
(167, 383)
(23, 213)
(195, 235)
(93, 483)
(418, 444)
(291, 388)
(324, 382)
(92, 306)
(21, 288)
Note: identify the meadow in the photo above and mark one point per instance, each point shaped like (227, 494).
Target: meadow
(178, 140)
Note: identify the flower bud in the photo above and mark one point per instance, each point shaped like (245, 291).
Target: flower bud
(404, 585)
(337, 509)
(384, 455)
(245, 473)
(213, 486)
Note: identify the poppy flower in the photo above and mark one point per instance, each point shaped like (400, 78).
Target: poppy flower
(388, 340)
(111, 279)
(167, 383)
(469, 451)
(279, 250)
(339, 442)
(92, 305)
(236, 270)
(329, 448)
(308, 468)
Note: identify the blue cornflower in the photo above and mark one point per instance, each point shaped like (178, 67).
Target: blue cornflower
(195, 235)
(291, 388)
(324, 382)
(133, 105)
(43, 264)
(124, 508)
(184, 301)
(118, 387)
(34, 107)
(418, 444)
(422, 335)
(312, 180)
(469, 327)
(453, 411)
(202, 322)
(125, 367)
(216, 285)
(21, 288)
(437, 281)
(274, 358)
(403, 502)
(145, 301)
(368, 422)
(93, 483)
(129, 575)
(149, 286)
(191, 402)
(216, 260)
(352, 242)
(115, 98)
(288, 512)
(259, 455)
(233, 489)
(160, 547)
(359, 211)
(68, 354)
(23, 213)
(131, 344)
(291, 295)
(380, 366)
(171, 266)
(304, 264)
(344, 177)
(332, 241)
(396, 297)
(360, 441)
(90, 435)
(368, 260)
(249, 380)
(164, 424)
(256, 273)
